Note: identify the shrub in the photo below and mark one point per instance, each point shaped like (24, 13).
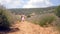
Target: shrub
(43, 19)
(28, 16)
(46, 20)
(57, 24)
(57, 11)
(6, 18)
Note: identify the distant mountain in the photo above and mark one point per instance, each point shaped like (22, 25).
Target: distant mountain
(31, 10)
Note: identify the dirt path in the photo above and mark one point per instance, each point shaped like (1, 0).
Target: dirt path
(29, 28)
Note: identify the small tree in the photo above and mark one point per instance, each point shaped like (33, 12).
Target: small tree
(57, 11)
(6, 18)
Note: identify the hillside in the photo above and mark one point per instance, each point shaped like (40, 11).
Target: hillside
(31, 10)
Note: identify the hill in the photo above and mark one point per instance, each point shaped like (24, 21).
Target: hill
(31, 10)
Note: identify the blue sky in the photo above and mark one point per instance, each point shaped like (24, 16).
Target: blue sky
(29, 3)
(55, 2)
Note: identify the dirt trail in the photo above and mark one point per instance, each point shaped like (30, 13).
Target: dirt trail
(29, 28)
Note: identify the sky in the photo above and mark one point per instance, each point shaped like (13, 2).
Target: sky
(29, 3)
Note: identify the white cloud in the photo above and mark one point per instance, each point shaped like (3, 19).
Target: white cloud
(38, 3)
(24, 4)
(5, 1)
(15, 3)
(11, 3)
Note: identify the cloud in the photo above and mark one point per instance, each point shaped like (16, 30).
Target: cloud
(38, 4)
(26, 3)
(5, 1)
(13, 3)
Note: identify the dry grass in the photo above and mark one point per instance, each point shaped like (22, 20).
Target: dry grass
(30, 28)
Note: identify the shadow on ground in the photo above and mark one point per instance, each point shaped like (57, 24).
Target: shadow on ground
(4, 30)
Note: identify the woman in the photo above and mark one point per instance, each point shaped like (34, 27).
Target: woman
(23, 18)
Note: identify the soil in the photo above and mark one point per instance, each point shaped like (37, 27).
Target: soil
(30, 28)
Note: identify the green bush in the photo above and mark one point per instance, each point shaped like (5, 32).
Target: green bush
(6, 18)
(57, 11)
(28, 16)
(46, 20)
(43, 19)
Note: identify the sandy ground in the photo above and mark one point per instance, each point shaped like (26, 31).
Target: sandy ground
(29, 28)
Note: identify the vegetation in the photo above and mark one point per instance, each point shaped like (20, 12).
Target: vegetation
(6, 18)
(43, 20)
(28, 16)
(57, 11)
(33, 10)
(47, 20)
